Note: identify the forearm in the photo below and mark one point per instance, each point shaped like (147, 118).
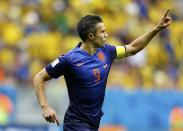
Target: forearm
(39, 88)
(141, 42)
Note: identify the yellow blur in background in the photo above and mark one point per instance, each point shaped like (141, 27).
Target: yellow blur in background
(38, 31)
(35, 32)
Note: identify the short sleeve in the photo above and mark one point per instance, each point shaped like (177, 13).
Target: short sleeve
(57, 67)
(112, 51)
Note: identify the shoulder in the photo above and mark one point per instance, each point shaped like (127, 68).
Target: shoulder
(110, 50)
(109, 47)
(70, 56)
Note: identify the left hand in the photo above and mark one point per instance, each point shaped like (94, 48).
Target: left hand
(165, 21)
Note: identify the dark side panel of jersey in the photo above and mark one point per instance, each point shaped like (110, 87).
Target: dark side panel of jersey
(86, 78)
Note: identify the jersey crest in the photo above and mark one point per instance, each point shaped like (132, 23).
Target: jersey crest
(101, 56)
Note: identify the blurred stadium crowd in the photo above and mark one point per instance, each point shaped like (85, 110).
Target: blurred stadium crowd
(34, 32)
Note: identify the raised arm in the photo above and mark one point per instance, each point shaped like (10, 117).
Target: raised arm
(139, 43)
(38, 83)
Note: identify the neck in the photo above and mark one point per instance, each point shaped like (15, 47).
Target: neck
(88, 47)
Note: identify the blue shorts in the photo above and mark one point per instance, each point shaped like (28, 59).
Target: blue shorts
(76, 125)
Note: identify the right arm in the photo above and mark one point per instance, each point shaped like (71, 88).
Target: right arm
(38, 83)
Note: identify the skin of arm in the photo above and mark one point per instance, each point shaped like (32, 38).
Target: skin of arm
(38, 83)
(139, 43)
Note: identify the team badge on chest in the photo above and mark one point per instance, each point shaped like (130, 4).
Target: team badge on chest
(101, 56)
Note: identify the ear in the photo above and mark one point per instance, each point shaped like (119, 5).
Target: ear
(90, 36)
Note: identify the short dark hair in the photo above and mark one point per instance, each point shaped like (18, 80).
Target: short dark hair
(87, 25)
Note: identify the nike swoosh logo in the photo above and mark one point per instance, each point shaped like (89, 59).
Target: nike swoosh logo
(80, 64)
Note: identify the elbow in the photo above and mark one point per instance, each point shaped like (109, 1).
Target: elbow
(40, 77)
(135, 50)
(36, 79)
(131, 50)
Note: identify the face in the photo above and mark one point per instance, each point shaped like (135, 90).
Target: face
(99, 38)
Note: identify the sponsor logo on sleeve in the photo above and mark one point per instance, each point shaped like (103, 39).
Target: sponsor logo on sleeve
(54, 63)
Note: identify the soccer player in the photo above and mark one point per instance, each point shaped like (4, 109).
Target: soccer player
(86, 69)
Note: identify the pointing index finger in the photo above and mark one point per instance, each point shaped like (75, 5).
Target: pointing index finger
(165, 15)
(56, 119)
(57, 122)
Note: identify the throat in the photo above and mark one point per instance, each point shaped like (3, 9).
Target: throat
(91, 50)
